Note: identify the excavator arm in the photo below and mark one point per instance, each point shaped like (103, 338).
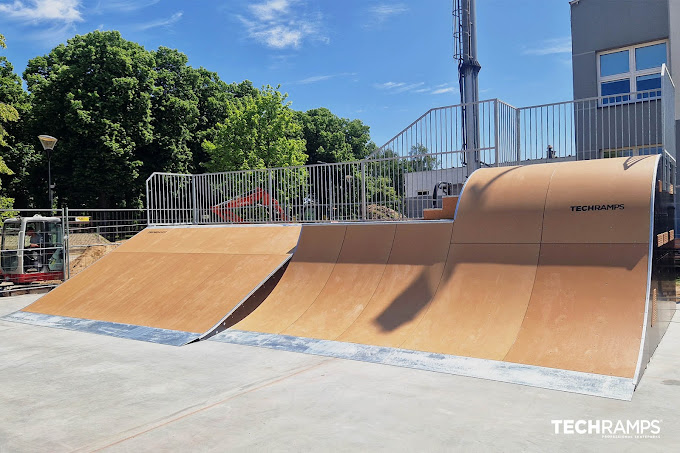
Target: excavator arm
(225, 210)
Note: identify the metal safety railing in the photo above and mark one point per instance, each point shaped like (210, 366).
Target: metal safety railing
(385, 188)
(404, 176)
(63, 242)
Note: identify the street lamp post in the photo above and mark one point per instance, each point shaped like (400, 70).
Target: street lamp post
(48, 143)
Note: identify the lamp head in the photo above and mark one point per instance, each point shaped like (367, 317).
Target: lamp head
(47, 142)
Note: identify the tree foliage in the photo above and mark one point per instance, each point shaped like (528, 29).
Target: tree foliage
(333, 139)
(121, 112)
(94, 95)
(258, 132)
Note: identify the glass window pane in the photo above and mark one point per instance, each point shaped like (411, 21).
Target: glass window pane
(650, 151)
(648, 82)
(650, 56)
(615, 87)
(614, 63)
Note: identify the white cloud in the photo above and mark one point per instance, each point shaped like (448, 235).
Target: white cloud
(161, 22)
(444, 90)
(550, 47)
(124, 6)
(279, 24)
(321, 78)
(43, 10)
(417, 88)
(384, 11)
(390, 85)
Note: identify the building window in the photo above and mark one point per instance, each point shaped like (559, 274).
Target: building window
(631, 73)
(646, 150)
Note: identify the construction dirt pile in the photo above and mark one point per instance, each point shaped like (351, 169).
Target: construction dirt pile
(90, 256)
(375, 212)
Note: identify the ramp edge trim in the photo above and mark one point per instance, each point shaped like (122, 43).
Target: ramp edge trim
(533, 376)
(210, 332)
(112, 329)
(640, 367)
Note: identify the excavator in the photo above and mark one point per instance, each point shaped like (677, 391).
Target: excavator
(31, 249)
(226, 209)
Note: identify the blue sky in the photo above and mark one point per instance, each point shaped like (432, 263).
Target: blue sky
(384, 62)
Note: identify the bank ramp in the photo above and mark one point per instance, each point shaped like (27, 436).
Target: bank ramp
(167, 285)
(553, 275)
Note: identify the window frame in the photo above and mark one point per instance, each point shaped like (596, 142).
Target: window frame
(635, 150)
(631, 75)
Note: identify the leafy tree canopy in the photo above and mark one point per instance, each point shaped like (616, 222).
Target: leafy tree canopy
(333, 139)
(259, 131)
(94, 95)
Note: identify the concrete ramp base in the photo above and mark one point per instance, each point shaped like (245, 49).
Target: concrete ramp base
(112, 329)
(534, 376)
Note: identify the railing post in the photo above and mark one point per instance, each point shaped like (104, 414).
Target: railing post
(66, 252)
(194, 199)
(270, 190)
(496, 131)
(148, 201)
(363, 190)
(518, 134)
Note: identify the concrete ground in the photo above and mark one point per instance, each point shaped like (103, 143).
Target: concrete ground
(71, 391)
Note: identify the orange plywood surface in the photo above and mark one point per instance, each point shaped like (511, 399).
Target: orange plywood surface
(351, 285)
(411, 277)
(481, 301)
(605, 201)
(170, 289)
(503, 205)
(587, 309)
(249, 240)
(305, 278)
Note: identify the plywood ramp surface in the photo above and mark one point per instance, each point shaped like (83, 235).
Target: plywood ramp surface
(605, 201)
(405, 290)
(249, 240)
(481, 301)
(587, 309)
(171, 288)
(503, 205)
(304, 279)
(351, 285)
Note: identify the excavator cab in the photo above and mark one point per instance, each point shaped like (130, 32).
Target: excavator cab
(31, 249)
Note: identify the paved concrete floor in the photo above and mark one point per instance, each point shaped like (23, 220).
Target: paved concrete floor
(71, 391)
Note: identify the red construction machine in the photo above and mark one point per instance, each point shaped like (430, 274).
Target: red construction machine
(226, 210)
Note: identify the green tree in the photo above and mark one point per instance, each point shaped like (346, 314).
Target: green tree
(214, 97)
(333, 139)
(258, 132)
(7, 112)
(10, 94)
(174, 114)
(420, 160)
(94, 95)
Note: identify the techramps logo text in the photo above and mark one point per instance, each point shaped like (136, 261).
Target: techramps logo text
(598, 207)
(610, 429)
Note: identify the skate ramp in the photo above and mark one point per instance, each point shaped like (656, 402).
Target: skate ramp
(546, 279)
(371, 284)
(167, 285)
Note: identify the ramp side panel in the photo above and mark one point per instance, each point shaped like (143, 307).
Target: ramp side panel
(305, 278)
(235, 240)
(410, 280)
(503, 206)
(587, 309)
(605, 201)
(481, 301)
(351, 285)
